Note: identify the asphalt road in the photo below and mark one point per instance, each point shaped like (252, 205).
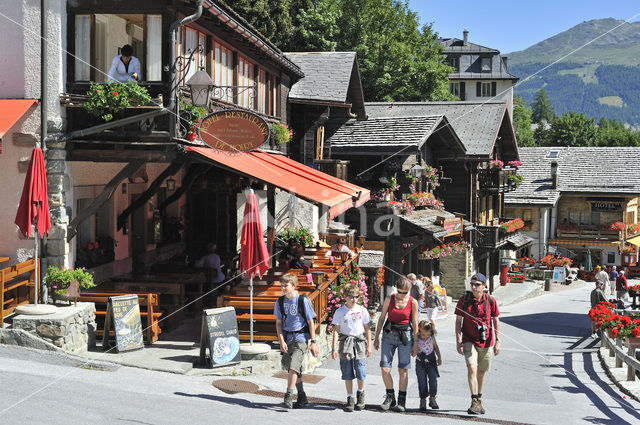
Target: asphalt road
(548, 372)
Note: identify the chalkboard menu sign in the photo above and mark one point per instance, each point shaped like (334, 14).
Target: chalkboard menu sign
(220, 335)
(123, 312)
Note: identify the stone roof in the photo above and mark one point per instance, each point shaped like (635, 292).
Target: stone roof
(455, 45)
(396, 132)
(327, 75)
(587, 170)
(425, 219)
(519, 241)
(371, 259)
(475, 123)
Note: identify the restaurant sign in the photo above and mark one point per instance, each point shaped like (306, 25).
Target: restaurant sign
(606, 206)
(233, 130)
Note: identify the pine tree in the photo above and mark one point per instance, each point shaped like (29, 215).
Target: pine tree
(542, 110)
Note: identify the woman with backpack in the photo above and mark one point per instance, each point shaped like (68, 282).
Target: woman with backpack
(400, 318)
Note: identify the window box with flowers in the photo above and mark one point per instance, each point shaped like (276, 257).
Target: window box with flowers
(512, 225)
(281, 133)
(446, 250)
(617, 226)
(108, 100)
(496, 164)
(58, 281)
(517, 278)
(515, 164)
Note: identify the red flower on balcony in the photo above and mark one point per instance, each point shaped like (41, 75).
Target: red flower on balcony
(617, 226)
(512, 225)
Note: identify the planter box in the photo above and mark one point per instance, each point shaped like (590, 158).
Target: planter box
(632, 342)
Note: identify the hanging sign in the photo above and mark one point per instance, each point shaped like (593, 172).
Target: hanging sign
(234, 130)
(220, 335)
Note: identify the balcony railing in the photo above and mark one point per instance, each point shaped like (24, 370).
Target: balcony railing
(333, 167)
(587, 233)
(496, 180)
(491, 237)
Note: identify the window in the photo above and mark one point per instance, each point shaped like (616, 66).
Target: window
(454, 88)
(584, 218)
(553, 154)
(595, 219)
(262, 91)
(96, 47)
(193, 52)
(574, 217)
(245, 81)
(485, 64)
(611, 257)
(223, 72)
(454, 61)
(273, 96)
(485, 90)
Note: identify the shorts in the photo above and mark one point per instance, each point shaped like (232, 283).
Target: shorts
(391, 341)
(292, 360)
(478, 356)
(352, 369)
(432, 312)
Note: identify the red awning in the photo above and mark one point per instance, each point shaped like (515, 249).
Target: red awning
(292, 176)
(11, 110)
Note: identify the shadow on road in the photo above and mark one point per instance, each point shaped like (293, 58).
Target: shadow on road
(276, 407)
(551, 323)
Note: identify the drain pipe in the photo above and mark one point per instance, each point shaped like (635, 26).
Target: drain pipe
(173, 103)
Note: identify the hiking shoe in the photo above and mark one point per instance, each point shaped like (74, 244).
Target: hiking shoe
(351, 404)
(360, 400)
(400, 406)
(432, 403)
(480, 406)
(475, 407)
(301, 401)
(423, 404)
(389, 401)
(288, 401)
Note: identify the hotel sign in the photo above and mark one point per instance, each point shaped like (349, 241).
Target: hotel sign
(234, 130)
(606, 206)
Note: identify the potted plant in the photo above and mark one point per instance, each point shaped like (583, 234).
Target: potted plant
(496, 164)
(515, 164)
(281, 133)
(300, 234)
(105, 100)
(514, 179)
(58, 281)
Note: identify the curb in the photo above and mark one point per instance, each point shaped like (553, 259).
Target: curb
(618, 375)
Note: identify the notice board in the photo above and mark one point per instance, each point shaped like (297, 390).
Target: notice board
(220, 335)
(123, 317)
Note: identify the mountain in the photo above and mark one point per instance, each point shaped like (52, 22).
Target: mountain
(602, 79)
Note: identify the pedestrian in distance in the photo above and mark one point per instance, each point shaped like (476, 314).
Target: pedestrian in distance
(294, 327)
(352, 343)
(427, 361)
(621, 287)
(613, 278)
(597, 296)
(400, 317)
(602, 276)
(432, 303)
(417, 289)
(477, 331)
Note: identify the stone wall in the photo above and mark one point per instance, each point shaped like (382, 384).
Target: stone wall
(455, 269)
(71, 328)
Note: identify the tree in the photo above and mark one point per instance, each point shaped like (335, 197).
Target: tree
(522, 122)
(573, 129)
(542, 110)
(613, 133)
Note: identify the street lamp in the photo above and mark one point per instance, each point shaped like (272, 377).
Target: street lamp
(417, 170)
(171, 184)
(200, 86)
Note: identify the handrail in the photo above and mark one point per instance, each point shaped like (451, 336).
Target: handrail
(628, 358)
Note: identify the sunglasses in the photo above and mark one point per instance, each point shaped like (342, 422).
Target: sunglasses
(353, 297)
(403, 293)
(476, 284)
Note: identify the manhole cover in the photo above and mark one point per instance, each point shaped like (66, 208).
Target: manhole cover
(235, 386)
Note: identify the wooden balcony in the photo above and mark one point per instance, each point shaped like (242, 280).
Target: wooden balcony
(587, 233)
(496, 180)
(334, 167)
(491, 237)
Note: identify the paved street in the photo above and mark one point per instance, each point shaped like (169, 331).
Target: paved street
(548, 372)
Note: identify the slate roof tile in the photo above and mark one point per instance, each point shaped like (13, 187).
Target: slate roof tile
(327, 75)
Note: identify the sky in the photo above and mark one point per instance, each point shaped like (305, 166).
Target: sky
(516, 24)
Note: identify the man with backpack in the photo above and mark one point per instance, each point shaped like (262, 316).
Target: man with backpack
(477, 330)
(294, 327)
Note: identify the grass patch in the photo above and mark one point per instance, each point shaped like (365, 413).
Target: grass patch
(611, 101)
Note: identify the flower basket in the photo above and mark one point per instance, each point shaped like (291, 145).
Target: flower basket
(65, 284)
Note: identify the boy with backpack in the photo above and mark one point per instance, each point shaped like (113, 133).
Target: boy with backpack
(352, 331)
(294, 327)
(477, 330)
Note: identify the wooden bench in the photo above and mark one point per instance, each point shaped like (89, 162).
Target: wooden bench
(149, 311)
(17, 285)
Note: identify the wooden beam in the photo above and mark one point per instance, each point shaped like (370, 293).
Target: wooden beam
(106, 155)
(141, 200)
(191, 177)
(101, 199)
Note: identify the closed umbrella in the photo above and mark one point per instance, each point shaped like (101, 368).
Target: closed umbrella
(34, 205)
(588, 264)
(253, 250)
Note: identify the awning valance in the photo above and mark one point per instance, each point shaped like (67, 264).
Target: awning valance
(635, 241)
(11, 110)
(287, 174)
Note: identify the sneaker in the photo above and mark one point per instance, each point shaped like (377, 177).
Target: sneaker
(301, 401)
(480, 406)
(360, 400)
(432, 403)
(351, 403)
(423, 404)
(389, 401)
(475, 407)
(288, 401)
(400, 406)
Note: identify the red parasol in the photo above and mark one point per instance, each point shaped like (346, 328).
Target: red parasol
(253, 251)
(34, 203)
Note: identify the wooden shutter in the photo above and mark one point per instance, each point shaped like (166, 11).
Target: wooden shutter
(478, 89)
(494, 86)
(462, 91)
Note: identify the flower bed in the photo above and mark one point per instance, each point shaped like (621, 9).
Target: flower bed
(617, 326)
(512, 225)
(447, 250)
(527, 261)
(550, 261)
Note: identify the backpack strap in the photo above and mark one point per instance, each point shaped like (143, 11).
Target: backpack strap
(283, 315)
(301, 307)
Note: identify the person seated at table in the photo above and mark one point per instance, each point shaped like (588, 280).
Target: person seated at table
(293, 255)
(339, 247)
(211, 261)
